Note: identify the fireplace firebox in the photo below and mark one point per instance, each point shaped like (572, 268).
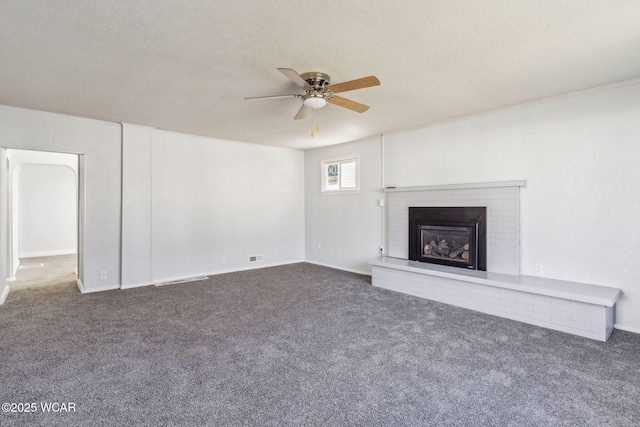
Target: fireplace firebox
(453, 236)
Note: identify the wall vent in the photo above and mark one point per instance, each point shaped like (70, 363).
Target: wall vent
(256, 258)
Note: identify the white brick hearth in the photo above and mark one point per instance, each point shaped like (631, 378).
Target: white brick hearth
(581, 309)
(577, 308)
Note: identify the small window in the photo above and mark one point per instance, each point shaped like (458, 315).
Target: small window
(340, 175)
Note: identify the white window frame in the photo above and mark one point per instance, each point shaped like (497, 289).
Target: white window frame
(323, 177)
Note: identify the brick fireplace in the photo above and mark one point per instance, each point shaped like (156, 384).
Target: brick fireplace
(502, 202)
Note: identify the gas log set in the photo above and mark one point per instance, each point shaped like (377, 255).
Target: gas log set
(452, 251)
(453, 236)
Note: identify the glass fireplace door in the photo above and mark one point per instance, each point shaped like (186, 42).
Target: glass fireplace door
(450, 245)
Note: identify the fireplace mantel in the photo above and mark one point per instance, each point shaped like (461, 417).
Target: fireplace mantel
(471, 186)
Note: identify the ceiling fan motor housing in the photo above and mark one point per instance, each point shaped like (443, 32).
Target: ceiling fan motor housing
(319, 81)
(317, 96)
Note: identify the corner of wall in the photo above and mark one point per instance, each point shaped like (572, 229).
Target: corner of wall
(4, 294)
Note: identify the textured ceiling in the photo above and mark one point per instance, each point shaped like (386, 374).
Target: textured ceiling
(187, 65)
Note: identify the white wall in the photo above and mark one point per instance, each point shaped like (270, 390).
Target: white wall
(48, 210)
(347, 226)
(136, 206)
(100, 142)
(580, 212)
(212, 198)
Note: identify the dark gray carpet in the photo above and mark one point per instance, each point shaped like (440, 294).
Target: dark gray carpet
(300, 345)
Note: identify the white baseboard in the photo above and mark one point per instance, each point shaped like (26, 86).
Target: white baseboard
(350, 270)
(214, 273)
(231, 270)
(626, 328)
(47, 253)
(258, 265)
(135, 285)
(5, 294)
(105, 288)
(83, 290)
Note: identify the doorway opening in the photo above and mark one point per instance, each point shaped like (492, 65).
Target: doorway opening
(44, 200)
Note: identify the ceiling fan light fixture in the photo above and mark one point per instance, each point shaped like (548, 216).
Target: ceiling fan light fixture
(319, 91)
(315, 101)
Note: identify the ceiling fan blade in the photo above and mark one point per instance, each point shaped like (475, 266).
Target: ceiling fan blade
(347, 103)
(354, 84)
(302, 112)
(274, 96)
(295, 77)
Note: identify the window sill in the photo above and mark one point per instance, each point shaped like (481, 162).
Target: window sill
(331, 192)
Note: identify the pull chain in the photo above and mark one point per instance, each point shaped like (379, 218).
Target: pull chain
(317, 126)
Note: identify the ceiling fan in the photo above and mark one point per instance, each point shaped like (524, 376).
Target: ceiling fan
(319, 91)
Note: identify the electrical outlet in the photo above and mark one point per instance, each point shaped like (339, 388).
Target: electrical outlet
(381, 250)
(103, 275)
(319, 245)
(223, 260)
(538, 269)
